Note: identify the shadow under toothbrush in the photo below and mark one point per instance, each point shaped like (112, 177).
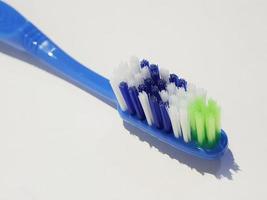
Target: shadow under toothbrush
(224, 167)
(25, 57)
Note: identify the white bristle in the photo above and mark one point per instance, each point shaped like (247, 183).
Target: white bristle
(127, 74)
(184, 121)
(164, 74)
(129, 77)
(131, 82)
(134, 60)
(174, 117)
(164, 95)
(122, 66)
(122, 72)
(191, 91)
(191, 87)
(146, 107)
(190, 96)
(115, 86)
(134, 64)
(145, 72)
(174, 114)
(173, 120)
(138, 78)
(178, 123)
(181, 93)
(171, 88)
(173, 100)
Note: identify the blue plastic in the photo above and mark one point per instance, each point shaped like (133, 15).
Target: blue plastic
(20, 33)
(15, 30)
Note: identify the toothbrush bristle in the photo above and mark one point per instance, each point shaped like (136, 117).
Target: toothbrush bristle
(143, 97)
(167, 102)
(144, 63)
(115, 86)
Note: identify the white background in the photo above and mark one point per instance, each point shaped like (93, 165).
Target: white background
(58, 142)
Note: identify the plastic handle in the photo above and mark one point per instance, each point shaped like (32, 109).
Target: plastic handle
(21, 34)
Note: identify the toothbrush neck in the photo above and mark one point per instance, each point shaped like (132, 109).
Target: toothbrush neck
(32, 40)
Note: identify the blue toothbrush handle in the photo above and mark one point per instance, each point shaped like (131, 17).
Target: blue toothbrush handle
(23, 35)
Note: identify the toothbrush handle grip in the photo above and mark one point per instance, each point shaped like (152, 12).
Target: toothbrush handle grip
(33, 41)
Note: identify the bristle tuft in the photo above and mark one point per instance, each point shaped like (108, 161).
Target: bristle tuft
(115, 86)
(171, 88)
(164, 74)
(146, 107)
(164, 95)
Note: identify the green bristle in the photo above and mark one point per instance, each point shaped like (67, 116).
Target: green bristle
(205, 122)
(217, 115)
(200, 104)
(200, 128)
(197, 125)
(210, 129)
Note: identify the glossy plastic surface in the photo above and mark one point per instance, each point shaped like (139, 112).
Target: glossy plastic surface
(20, 33)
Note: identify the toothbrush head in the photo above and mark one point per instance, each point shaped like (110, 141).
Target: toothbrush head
(177, 143)
(170, 109)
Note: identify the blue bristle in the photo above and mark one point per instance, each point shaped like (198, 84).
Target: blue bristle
(165, 117)
(161, 84)
(155, 111)
(155, 76)
(154, 72)
(144, 63)
(136, 103)
(153, 68)
(180, 83)
(125, 93)
(183, 83)
(142, 88)
(149, 83)
(174, 79)
(155, 92)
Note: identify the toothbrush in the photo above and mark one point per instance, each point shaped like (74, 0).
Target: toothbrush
(160, 104)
